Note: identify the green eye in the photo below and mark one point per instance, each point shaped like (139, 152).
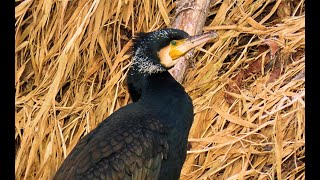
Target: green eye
(173, 43)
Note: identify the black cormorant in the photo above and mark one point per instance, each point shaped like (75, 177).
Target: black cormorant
(146, 139)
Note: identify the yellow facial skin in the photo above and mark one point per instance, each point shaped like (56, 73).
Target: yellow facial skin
(178, 48)
(176, 52)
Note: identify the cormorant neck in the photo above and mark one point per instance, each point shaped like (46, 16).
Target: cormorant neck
(161, 87)
(161, 94)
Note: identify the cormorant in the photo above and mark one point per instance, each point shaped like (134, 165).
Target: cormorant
(146, 139)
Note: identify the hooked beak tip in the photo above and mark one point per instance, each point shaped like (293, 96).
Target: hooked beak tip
(206, 35)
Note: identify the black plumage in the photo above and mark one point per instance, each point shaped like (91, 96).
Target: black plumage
(146, 139)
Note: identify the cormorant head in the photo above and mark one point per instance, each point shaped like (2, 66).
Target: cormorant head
(158, 51)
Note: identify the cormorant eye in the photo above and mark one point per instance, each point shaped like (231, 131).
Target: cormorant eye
(173, 43)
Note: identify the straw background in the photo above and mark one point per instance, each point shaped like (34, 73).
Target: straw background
(248, 87)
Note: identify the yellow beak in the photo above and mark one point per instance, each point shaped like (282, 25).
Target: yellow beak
(181, 47)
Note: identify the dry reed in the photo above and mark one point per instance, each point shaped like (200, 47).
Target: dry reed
(247, 87)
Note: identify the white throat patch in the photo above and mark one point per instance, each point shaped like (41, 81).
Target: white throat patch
(142, 64)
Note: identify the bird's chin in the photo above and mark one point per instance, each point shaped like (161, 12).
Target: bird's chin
(170, 65)
(168, 68)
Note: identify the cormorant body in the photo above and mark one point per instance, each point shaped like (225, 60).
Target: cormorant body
(146, 139)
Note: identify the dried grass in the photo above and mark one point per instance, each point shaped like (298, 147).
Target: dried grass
(72, 58)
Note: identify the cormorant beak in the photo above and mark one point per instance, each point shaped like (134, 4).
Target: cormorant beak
(177, 48)
(181, 47)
